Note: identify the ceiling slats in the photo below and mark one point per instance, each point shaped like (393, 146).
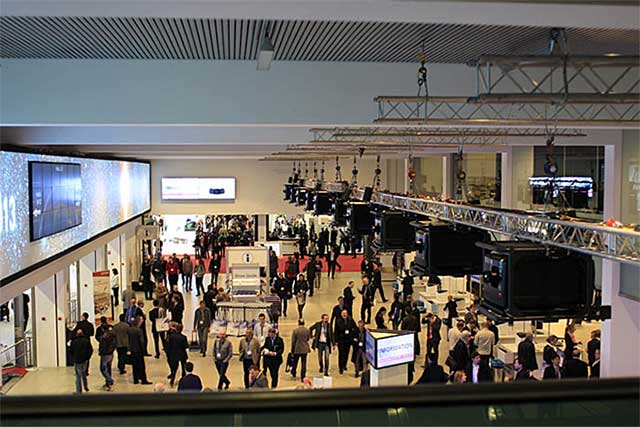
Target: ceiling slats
(239, 39)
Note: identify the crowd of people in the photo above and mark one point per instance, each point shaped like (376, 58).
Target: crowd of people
(263, 351)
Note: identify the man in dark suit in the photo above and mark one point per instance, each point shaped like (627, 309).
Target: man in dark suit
(190, 383)
(337, 310)
(348, 297)
(478, 372)
(553, 372)
(527, 353)
(272, 355)
(574, 367)
(157, 313)
(433, 336)
(521, 374)
(137, 350)
(177, 346)
(121, 330)
(592, 346)
(460, 352)
(345, 332)
(322, 342)
(433, 373)
(376, 280)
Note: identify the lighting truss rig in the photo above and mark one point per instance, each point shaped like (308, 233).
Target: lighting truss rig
(428, 136)
(564, 91)
(605, 242)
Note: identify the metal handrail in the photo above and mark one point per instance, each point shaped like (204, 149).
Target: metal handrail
(27, 353)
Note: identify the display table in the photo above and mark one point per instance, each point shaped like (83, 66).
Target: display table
(241, 311)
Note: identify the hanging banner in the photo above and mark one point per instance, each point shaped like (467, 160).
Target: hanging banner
(101, 294)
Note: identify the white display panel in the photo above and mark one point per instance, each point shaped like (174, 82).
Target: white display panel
(198, 188)
(384, 349)
(113, 191)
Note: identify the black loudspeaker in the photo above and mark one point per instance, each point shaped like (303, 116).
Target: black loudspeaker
(293, 194)
(394, 231)
(359, 218)
(339, 210)
(368, 192)
(524, 280)
(286, 191)
(445, 250)
(309, 203)
(301, 196)
(322, 203)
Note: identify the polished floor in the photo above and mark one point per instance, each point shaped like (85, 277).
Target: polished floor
(61, 380)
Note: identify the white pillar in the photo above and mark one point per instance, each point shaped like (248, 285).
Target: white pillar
(447, 184)
(506, 184)
(44, 313)
(405, 178)
(521, 168)
(87, 267)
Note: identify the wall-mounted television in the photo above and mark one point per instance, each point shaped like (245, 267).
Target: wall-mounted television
(198, 188)
(55, 198)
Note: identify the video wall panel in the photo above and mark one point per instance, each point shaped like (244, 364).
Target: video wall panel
(112, 192)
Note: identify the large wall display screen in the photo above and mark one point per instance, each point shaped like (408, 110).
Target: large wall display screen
(111, 193)
(55, 197)
(384, 349)
(198, 188)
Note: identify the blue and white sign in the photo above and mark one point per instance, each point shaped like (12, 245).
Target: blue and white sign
(198, 188)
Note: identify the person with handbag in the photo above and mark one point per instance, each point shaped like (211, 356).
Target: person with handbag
(201, 324)
(159, 327)
(282, 287)
(300, 289)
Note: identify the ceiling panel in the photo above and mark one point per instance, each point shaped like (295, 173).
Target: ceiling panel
(294, 40)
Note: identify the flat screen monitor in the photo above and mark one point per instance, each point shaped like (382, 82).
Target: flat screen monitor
(55, 198)
(198, 188)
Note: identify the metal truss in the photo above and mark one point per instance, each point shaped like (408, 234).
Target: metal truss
(605, 242)
(557, 79)
(459, 111)
(428, 137)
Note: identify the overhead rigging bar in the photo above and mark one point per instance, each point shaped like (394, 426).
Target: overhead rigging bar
(605, 242)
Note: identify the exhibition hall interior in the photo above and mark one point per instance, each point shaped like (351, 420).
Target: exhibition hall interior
(320, 212)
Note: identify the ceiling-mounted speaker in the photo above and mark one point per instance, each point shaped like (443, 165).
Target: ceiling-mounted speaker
(394, 231)
(368, 193)
(443, 249)
(360, 220)
(525, 280)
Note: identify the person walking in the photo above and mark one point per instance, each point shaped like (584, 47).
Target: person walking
(300, 289)
(348, 297)
(187, 272)
(484, 342)
(81, 351)
(115, 286)
(222, 353)
(367, 300)
(527, 353)
(249, 354)
(136, 349)
(202, 324)
(190, 383)
(121, 331)
(214, 268)
(176, 307)
(300, 349)
(272, 353)
(323, 341)
(433, 337)
(461, 356)
(381, 318)
(199, 273)
(145, 279)
(311, 271)
(177, 346)
(173, 271)
(257, 378)
(376, 281)
(261, 329)
(105, 349)
(157, 317)
(396, 311)
(359, 357)
(451, 307)
(283, 288)
(345, 332)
